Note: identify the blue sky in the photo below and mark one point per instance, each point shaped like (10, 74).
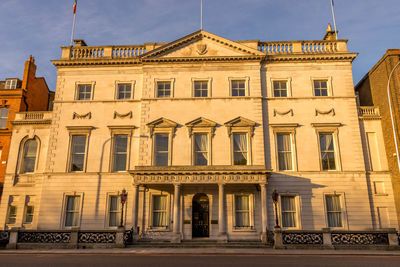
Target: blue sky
(41, 27)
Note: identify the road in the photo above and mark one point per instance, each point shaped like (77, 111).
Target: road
(87, 260)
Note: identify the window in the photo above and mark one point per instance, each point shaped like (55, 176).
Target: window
(159, 218)
(3, 117)
(12, 214)
(78, 152)
(200, 88)
(161, 149)
(124, 91)
(242, 211)
(280, 88)
(379, 187)
(334, 210)
(29, 156)
(84, 91)
(72, 211)
(238, 87)
(240, 154)
(114, 211)
(29, 214)
(320, 87)
(163, 89)
(120, 146)
(11, 84)
(288, 209)
(285, 157)
(327, 148)
(200, 149)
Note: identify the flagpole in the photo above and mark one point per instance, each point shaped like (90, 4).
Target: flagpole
(73, 29)
(201, 16)
(334, 21)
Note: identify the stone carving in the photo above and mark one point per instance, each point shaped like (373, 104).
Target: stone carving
(240, 123)
(201, 123)
(82, 116)
(200, 178)
(44, 237)
(290, 111)
(360, 239)
(96, 237)
(202, 49)
(331, 111)
(123, 115)
(302, 238)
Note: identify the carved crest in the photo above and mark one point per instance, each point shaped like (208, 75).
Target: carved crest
(202, 49)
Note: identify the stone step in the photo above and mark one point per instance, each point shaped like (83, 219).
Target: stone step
(199, 244)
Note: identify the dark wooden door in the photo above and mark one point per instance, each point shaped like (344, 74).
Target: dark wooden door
(200, 216)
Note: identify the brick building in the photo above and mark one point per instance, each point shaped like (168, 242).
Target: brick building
(29, 94)
(372, 90)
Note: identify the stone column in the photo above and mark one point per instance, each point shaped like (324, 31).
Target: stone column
(264, 218)
(221, 213)
(135, 208)
(176, 226)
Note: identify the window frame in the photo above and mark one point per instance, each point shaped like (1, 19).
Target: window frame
(172, 85)
(209, 143)
(209, 87)
(29, 202)
(8, 214)
(168, 209)
(297, 200)
(342, 207)
(121, 130)
(328, 84)
(154, 147)
(21, 158)
(64, 209)
(9, 84)
(73, 131)
(251, 212)
(285, 128)
(6, 118)
(116, 93)
(107, 211)
(77, 84)
(288, 81)
(329, 128)
(249, 161)
(246, 81)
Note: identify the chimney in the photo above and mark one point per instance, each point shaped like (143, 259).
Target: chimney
(29, 72)
(80, 42)
(330, 34)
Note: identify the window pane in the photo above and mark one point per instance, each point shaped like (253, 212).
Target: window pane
(238, 88)
(120, 152)
(29, 158)
(242, 210)
(163, 89)
(29, 214)
(327, 151)
(12, 214)
(201, 89)
(114, 211)
(72, 210)
(284, 152)
(3, 117)
(200, 149)
(333, 208)
(288, 211)
(159, 211)
(161, 149)
(84, 91)
(240, 149)
(124, 91)
(78, 150)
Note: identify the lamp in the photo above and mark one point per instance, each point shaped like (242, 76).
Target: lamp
(275, 197)
(123, 197)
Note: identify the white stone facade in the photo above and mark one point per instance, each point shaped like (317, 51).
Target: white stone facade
(363, 192)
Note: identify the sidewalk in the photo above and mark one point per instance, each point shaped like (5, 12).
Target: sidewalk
(208, 251)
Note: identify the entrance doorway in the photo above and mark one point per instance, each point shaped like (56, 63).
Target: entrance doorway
(200, 216)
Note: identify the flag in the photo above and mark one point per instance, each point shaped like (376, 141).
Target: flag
(74, 11)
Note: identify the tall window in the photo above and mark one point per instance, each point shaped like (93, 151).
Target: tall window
(114, 211)
(72, 211)
(201, 89)
(200, 149)
(29, 156)
(242, 211)
(320, 87)
(334, 211)
(3, 117)
(327, 148)
(280, 89)
(12, 214)
(120, 152)
(240, 149)
(288, 208)
(159, 218)
(163, 89)
(11, 84)
(29, 214)
(84, 92)
(124, 91)
(238, 88)
(161, 149)
(284, 151)
(78, 151)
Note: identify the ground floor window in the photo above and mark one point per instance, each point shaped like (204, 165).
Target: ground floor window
(242, 211)
(12, 214)
(159, 213)
(114, 211)
(334, 210)
(72, 211)
(29, 214)
(289, 213)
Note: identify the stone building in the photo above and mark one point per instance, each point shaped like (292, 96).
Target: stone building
(199, 132)
(29, 94)
(372, 90)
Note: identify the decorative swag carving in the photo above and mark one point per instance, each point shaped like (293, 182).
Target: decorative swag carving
(290, 111)
(82, 116)
(123, 115)
(331, 111)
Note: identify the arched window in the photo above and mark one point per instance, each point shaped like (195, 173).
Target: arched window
(29, 156)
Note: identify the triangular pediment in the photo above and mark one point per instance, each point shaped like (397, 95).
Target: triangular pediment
(202, 44)
(201, 122)
(240, 122)
(162, 123)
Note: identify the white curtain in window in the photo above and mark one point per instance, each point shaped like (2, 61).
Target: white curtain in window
(334, 211)
(242, 208)
(285, 152)
(288, 211)
(72, 214)
(201, 149)
(159, 211)
(240, 148)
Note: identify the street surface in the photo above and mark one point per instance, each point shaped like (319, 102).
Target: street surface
(167, 260)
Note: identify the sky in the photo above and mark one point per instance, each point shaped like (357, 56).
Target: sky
(41, 27)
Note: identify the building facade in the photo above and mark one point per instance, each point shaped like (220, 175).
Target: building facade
(199, 132)
(29, 94)
(372, 91)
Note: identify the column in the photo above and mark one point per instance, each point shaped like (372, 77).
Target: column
(135, 208)
(176, 228)
(221, 211)
(264, 218)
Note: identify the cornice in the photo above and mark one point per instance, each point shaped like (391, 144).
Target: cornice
(28, 122)
(349, 57)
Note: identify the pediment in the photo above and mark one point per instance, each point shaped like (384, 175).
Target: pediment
(162, 123)
(201, 123)
(240, 122)
(202, 44)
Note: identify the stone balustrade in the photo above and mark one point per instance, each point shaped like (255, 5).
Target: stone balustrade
(102, 52)
(369, 112)
(303, 47)
(34, 117)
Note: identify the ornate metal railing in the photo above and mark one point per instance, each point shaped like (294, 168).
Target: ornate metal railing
(128, 236)
(44, 237)
(360, 238)
(303, 238)
(4, 237)
(97, 237)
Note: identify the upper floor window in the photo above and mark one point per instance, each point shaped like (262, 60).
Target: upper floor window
(164, 89)
(3, 117)
(11, 83)
(327, 148)
(285, 155)
(78, 153)
(161, 149)
(238, 87)
(240, 149)
(84, 92)
(320, 87)
(29, 156)
(280, 88)
(120, 148)
(200, 149)
(124, 91)
(200, 88)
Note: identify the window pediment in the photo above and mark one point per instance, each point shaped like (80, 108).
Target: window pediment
(240, 124)
(162, 123)
(201, 124)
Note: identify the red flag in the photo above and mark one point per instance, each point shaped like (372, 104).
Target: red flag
(74, 11)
